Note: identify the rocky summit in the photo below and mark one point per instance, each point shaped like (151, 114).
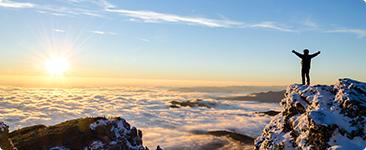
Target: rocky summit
(97, 133)
(319, 117)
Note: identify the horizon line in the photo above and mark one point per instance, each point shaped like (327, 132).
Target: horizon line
(75, 82)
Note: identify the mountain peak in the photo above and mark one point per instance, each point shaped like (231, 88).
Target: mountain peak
(319, 117)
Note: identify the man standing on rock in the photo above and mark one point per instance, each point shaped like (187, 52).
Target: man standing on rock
(305, 64)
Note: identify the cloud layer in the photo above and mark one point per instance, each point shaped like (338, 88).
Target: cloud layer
(147, 108)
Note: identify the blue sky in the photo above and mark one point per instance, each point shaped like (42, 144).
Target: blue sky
(245, 41)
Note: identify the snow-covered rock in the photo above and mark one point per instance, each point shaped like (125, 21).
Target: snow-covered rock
(97, 133)
(319, 117)
(122, 136)
(3, 127)
(5, 142)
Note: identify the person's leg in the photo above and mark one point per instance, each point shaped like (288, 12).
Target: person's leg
(307, 77)
(303, 76)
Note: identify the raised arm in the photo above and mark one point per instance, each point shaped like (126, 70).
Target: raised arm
(315, 54)
(297, 54)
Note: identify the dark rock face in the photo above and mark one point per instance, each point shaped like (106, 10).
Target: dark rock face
(319, 117)
(235, 136)
(86, 133)
(5, 142)
(269, 113)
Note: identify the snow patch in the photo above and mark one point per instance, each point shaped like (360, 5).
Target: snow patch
(3, 127)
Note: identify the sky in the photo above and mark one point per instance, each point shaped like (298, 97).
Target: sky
(189, 42)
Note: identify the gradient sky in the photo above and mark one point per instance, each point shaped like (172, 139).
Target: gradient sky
(247, 42)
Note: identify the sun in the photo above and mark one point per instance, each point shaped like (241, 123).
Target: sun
(56, 66)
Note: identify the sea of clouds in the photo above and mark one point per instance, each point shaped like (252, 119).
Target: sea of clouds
(146, 108)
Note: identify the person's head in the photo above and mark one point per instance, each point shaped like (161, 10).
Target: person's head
(306, 51)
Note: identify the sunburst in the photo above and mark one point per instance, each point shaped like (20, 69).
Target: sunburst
(56, 66)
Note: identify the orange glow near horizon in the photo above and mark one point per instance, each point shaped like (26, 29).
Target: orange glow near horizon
(75, 82)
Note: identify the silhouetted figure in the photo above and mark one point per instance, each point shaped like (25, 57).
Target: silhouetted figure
(305, 64)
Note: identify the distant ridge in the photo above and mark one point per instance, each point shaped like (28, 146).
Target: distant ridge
(265, 97)
(229, 89)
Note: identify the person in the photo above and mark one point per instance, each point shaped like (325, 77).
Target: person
(305, 64)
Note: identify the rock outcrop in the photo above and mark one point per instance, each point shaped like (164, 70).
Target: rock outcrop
(319, 117)
(195, 103)
(5, 142)
(97, 133)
